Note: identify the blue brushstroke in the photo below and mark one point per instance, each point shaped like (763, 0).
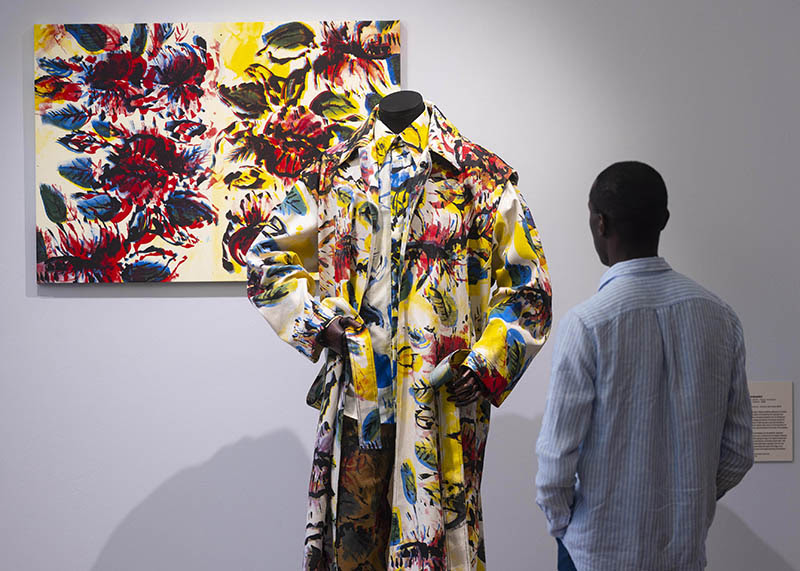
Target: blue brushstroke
(80, 172)
(69, 117)
(97, 206)
(55, 67)
(383, 370)
(145, 271)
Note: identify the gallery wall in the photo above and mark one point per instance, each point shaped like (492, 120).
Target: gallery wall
(164, 426)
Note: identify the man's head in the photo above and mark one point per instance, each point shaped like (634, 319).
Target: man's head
(627, 211)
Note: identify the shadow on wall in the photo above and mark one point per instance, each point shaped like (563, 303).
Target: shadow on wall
(243, 509)
(733, 546)
(516, 532)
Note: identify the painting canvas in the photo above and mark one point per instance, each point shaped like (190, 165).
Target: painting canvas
(161, 147)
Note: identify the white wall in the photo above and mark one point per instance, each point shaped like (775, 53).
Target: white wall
(163, 427)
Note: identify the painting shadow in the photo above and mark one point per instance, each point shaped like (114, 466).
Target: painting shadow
(243, 509)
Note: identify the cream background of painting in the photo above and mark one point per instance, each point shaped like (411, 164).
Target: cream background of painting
(164, 427)
(203, 259)
(236, 44)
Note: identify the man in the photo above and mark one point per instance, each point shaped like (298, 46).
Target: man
(648, 420)
(403, 252)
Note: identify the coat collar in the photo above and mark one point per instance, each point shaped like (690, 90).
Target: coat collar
(443, 138)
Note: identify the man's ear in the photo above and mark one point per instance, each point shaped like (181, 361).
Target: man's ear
(666, 219)
(602, 225)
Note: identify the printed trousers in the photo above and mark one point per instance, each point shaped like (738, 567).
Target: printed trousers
(364, 515)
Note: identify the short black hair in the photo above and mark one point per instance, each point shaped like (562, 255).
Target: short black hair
(633, 196)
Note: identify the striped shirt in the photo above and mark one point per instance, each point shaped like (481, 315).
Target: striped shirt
(647, 422)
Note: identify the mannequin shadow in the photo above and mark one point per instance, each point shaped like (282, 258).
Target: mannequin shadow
(242, 509)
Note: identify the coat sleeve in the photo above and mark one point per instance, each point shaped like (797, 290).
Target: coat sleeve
(283, 273)
(520, 306)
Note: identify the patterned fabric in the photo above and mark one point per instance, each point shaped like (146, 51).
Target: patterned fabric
(649, 408)
(365, 516)
(398, 159)
(470, 274)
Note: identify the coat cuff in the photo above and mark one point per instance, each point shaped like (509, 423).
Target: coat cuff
(447, 369)
(489, 374)
(305, 337)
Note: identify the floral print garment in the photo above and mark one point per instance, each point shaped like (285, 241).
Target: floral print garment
(400, 163)
(470, 275)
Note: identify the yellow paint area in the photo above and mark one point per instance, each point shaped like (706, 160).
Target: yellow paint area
(495, 336)
(363, 366)
(416, 134)
(238, 43)
(521, 244)
(49, 37)
(451, 450)
(381, 147)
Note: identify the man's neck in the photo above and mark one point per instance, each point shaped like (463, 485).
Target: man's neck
(623, 253)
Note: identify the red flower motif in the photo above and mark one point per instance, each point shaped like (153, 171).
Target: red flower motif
(350, 54)
(443, 345)
(99, 254)
(177, 74)
(290, 140)
(344, 257)
(245, 224)
(81, 254)
(146, 167)
(57, 89)
(114, 80)
(435, 251)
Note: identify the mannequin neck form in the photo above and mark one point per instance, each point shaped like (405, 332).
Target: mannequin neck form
(399, 109)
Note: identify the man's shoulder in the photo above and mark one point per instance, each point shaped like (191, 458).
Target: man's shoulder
(686, 290)
(634, 293)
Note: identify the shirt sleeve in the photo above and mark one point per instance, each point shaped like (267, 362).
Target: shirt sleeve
(283, 266)
(520, 308)
(736, 451)
(566, 421)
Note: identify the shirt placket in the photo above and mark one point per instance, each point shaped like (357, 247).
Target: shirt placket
(397, 223)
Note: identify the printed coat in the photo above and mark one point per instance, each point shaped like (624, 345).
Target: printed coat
(473, 278)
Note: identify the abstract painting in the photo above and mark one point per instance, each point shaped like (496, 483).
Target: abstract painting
(160, 148)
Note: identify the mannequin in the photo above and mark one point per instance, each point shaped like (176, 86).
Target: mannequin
(397, 111)
(410, 374)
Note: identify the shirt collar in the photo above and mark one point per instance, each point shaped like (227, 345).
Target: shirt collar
(634, 266)
(443, 138)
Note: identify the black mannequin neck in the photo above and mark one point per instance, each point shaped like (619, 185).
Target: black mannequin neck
(399, 109)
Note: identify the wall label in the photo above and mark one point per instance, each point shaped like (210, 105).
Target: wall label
(773, 421)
